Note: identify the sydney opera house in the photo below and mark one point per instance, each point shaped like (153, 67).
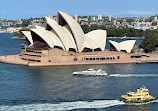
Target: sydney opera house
(64, 43)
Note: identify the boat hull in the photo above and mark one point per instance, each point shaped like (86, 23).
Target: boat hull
(91, 74)
(140, 101)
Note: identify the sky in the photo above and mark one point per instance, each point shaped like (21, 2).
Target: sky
(18, 9)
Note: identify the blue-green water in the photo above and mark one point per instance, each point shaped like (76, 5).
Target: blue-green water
(52, 88)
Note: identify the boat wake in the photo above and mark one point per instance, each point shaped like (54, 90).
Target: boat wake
(63, 106)
(133, 75)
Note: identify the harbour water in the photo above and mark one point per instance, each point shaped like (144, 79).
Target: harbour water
(54, 88)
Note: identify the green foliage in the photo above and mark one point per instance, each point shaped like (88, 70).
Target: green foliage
(130, 20)
(85, 28)
(115, 32)
(150, 43)
(19, 34)
(154, 24)
(136, 48)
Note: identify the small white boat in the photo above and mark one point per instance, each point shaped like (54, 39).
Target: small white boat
(91, 72)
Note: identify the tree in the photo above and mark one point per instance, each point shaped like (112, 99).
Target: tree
(19, 34)
(150, 43)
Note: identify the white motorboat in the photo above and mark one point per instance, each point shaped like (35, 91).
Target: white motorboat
(91, 72)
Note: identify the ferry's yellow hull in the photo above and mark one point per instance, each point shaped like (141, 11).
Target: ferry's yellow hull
(142, 100)
(139, 101)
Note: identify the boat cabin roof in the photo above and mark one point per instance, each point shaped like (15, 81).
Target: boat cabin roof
(90, 69)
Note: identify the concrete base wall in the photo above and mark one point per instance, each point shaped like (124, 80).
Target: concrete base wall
(59, 56)
(55, 57)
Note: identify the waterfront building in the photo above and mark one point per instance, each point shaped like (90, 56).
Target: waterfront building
(100, 17)
(50, 16)
(13, 29)
(64, 43)
(109, 18)
(142, 25)
(76, 18)
(93, 19)
(155, 19)
(114, 23)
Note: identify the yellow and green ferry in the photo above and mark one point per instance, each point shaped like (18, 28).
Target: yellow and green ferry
(142, 95)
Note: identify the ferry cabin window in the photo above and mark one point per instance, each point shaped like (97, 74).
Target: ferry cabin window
(129, 95)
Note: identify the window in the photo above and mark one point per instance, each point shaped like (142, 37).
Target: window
(31, 60)
(85, 58)
(75, 59)
(102, 58)
(33, 55)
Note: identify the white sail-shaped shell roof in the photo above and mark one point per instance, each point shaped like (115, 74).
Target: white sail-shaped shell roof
(59, 31)
(76, 30)
(115, 44)
(95, 39)
(68, 34)
(125, 45)
(71, 42)
(57, 41)
(28, 35)
(48, 36)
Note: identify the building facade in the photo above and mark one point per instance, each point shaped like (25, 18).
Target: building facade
(64, 43)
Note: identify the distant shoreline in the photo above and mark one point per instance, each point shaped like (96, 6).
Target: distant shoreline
(125, 38)
(18, 37)
(107, 38)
